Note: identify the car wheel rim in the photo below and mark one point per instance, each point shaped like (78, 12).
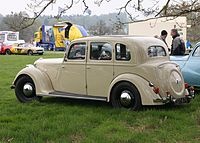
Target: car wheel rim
(7, 53)
(28, 90)
(126, 98)
(30, 53)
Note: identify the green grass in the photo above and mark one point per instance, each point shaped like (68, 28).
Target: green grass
(58, 120)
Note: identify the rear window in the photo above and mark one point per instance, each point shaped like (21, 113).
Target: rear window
(156, 51)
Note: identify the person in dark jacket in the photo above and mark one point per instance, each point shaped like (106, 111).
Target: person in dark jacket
(178, 45)
(163, 36)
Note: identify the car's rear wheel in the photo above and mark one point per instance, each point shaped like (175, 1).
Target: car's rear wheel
(30, 53)
(126, 95)
(8, 52)
(25, 89)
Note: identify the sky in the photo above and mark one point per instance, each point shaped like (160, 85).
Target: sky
(8, 6)
(21, 5)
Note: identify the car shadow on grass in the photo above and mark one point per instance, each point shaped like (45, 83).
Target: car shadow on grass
(106, 105)
(74, 102)
(167, 107)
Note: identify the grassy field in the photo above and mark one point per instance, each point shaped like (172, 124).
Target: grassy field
(58, 120)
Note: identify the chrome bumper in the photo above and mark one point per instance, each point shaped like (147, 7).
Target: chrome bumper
(189, 95)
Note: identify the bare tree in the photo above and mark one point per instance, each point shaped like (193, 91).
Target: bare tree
(15, 22)
(100, 29)
(133, 8)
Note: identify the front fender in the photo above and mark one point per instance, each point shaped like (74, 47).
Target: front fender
(41, 80)
(146, 92)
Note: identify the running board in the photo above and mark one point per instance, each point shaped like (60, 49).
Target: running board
(73, 96)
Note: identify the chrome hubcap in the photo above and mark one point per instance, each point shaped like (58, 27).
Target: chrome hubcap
(125, 98)
(28, 89)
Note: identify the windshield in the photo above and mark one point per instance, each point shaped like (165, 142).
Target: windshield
(25, 45)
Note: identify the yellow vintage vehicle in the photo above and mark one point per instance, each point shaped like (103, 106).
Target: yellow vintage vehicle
(127, 71)
(27, 49)
(55, 37)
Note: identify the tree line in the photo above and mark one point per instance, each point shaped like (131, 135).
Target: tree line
(95, 25)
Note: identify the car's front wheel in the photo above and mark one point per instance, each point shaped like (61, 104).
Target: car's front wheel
(126, 95)
(25, 89)
(30, 53)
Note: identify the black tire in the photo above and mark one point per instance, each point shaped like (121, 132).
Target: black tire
(30, 53)
(19, 90)
(133, 99)
(8, 52)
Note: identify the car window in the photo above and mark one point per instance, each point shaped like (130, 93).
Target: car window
(197, 52)
(122, 52)
(100, 51)
(2, 37)
(77, 51)
(156, 51)
(12, 37)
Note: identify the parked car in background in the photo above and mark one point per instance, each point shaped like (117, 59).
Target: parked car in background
(5, 49)
(26, 48)
(190, 66)
(127, 71)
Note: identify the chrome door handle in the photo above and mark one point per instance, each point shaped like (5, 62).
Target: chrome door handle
(88, 67)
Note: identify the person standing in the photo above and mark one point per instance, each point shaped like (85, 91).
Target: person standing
(178, 45)
(163, 36)
(188, 44)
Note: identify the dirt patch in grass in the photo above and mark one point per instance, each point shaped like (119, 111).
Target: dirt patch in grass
(142, 128)
(7, 140)
(76, 138)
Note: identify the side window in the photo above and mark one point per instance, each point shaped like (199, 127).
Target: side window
(197, 52)
(100, 51)
(122, 52)
(77, 51)
(156, 51)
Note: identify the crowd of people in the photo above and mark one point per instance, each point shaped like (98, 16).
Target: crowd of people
(178, 44)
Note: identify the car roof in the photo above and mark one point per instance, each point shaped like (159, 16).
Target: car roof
(137, 44)
(122, 38)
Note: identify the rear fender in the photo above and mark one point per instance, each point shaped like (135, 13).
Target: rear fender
(41, 80)
(146, 93)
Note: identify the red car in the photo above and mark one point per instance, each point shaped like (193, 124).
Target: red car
(5, 49)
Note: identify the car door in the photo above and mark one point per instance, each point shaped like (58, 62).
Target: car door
(99, 68)
(191, 70)
(17, 49)
(72, 73)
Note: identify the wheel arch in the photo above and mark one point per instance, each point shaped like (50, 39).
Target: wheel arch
(142, 85)
(18, 77)
(119, 82)
(7, 49)
(41, 80)
(29, 50)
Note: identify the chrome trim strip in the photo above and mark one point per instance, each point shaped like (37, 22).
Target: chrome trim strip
(73, 96)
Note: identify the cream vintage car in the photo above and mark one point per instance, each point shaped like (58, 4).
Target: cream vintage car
(127, 71)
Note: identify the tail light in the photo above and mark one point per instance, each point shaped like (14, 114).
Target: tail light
(156, 90)
(186, 85)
